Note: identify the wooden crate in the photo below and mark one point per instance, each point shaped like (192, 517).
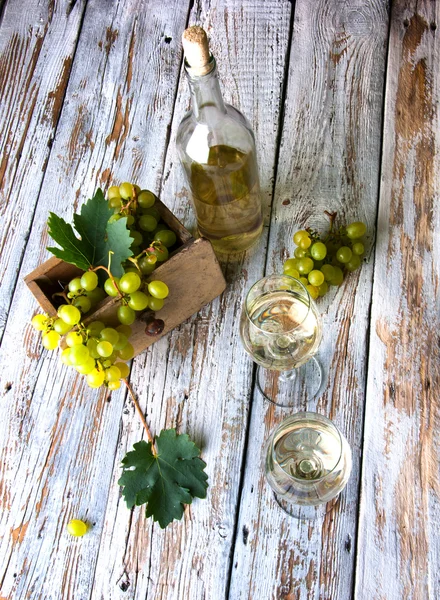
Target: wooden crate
(192, 273)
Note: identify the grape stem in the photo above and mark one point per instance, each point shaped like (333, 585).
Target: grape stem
(109, 273)
(132, 201)
(141, 415)
(332, 216)
(63, 295)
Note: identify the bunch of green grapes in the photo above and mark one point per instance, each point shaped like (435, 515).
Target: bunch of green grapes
(152, 239)
(94, 350)
(135, 294)
(318, 263)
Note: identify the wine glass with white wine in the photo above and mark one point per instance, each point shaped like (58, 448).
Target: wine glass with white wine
(308, 463)
(281, 329)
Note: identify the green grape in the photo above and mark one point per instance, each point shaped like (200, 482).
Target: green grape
(166, 237)
(151, 259)
(158, 289)
(299, 235)
(358, 248)
(115, 203)
(50, 340)
(113, 192)
(316, 278)
(338, 277)
(112, 374)
(110, 288)
(146, 199)
(292, 273)
(318, 251)
(74, 338)
(121, 343)
(323, 288)
(147, 223)
(76, 527)
(328, 271)
(65, 357)
(356, 230)
(138, 301)
(126, 315)
(145, 266)
(305, 243)
(305, 265)
(83, 303)
(152, 211)
(89, 281)
(126, 190)
(129, 283)
(79, 354)
(313, 291)
(104, 349)
(61, 327)
(114, 218)
(87, 367)
(113, 385)
(95, 327)
(70, 314)
(96, 295)
(304, 280)
(92, 346)
(110, 335)
(137, 238)
(353, 264)
(344, 254)
(300, 253)
(131, 270)
(137, 189)
(155, 303)
(124, 329)
(75, 285)
(127, 353)
(161, 253)
(39, 322)
(123, 369)
(130, 220)
(291, 263)
(96, 378)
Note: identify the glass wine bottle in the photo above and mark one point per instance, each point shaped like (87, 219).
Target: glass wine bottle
(217, 149)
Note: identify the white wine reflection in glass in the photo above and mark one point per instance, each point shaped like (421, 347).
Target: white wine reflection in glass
(281, 329)
(308, 463)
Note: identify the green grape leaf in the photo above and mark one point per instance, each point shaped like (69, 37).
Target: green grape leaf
(97, 239)
(72, 250)
(164, 482)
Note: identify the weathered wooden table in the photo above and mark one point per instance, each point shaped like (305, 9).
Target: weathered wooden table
(343, 97)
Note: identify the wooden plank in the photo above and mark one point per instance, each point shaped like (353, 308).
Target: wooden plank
(37, 46)
(198, 379)
(398, 551)
(329, 160)
(57, 439)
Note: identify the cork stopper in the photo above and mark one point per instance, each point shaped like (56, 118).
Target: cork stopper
(196, 49)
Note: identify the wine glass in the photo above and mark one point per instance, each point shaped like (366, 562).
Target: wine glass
(281, 329)
(308, 463)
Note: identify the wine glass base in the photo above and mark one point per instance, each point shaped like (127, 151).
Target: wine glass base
(306, 513)
(285, 389)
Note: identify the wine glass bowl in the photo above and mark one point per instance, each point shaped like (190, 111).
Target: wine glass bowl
(308, 460)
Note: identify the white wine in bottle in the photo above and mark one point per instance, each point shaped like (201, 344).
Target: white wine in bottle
(217, 150)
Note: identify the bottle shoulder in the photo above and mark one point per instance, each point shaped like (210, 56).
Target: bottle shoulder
(228, 128)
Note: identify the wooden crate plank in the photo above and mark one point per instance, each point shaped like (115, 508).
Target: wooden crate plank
(329, 160)
(58, 440)
(37, 45)
(199, 378)
(400, 510)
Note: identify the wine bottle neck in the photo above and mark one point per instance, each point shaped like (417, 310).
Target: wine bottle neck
(205, 92)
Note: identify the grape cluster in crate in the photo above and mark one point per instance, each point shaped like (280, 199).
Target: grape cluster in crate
(96, 350)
